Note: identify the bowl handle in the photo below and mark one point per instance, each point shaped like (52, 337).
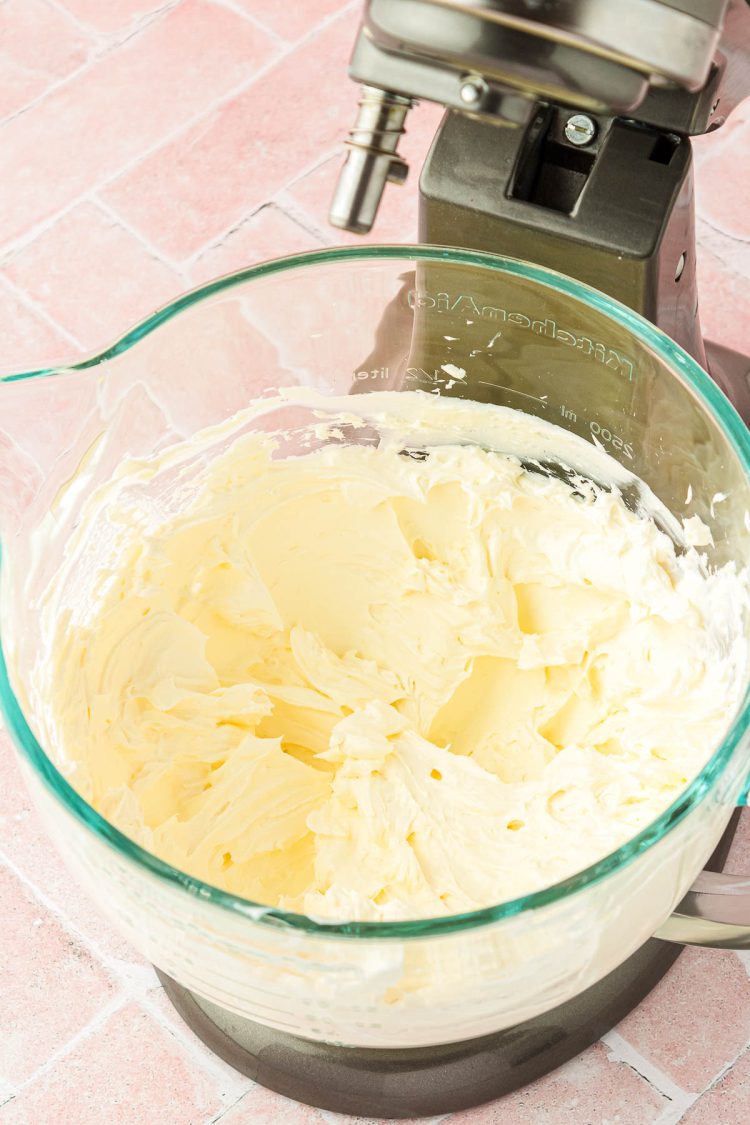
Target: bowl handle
(716, 910)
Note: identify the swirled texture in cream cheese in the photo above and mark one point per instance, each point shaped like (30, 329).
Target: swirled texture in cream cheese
(364, 683)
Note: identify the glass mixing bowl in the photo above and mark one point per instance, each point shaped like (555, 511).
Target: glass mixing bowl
(352, 321)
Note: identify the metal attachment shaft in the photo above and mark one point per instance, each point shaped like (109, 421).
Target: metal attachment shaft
(371, 159)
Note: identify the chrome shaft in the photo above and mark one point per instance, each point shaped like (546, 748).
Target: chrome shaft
(371, 159)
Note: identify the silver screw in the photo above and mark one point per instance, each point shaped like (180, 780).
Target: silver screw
(474, 90)
(580, 129)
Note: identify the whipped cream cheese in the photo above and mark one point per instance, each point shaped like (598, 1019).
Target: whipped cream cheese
(371, 665)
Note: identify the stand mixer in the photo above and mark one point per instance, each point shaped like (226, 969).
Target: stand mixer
(566, 144)
(566, 140)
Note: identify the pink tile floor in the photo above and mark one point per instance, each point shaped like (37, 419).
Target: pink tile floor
(146, 146)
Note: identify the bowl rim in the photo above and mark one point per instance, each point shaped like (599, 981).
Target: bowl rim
(683, 366)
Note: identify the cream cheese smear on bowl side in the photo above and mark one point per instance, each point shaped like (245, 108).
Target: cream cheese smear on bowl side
(367, 658)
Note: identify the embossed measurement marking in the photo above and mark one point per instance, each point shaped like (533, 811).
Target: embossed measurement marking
(603, 435)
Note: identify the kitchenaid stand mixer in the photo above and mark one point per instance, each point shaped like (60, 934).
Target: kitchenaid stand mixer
(565, 143)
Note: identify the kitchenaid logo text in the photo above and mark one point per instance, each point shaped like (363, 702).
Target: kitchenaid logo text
(464, 304)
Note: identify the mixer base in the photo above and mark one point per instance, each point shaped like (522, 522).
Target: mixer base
(422, 1081)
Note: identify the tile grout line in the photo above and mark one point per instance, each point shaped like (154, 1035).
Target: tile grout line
(34, 306)
(235, 225)
(672, 1114)
(724, 1070)
(111, 40)
(305, 218)
(16, 246)
(105, 960)
(625, 1052)
(281, 204)
(7, 1092)
(225, 1110)
(145, 243)
(196, 1050)
(52, 89)
(351, 5)
(141, 23)
(72, 18)
(336, 150)
(109, 1009)
(732, 238)
(253, 20)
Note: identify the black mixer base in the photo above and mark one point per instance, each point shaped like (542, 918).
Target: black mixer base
(422, 1081)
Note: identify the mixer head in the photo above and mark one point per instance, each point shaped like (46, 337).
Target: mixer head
(677, 65)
